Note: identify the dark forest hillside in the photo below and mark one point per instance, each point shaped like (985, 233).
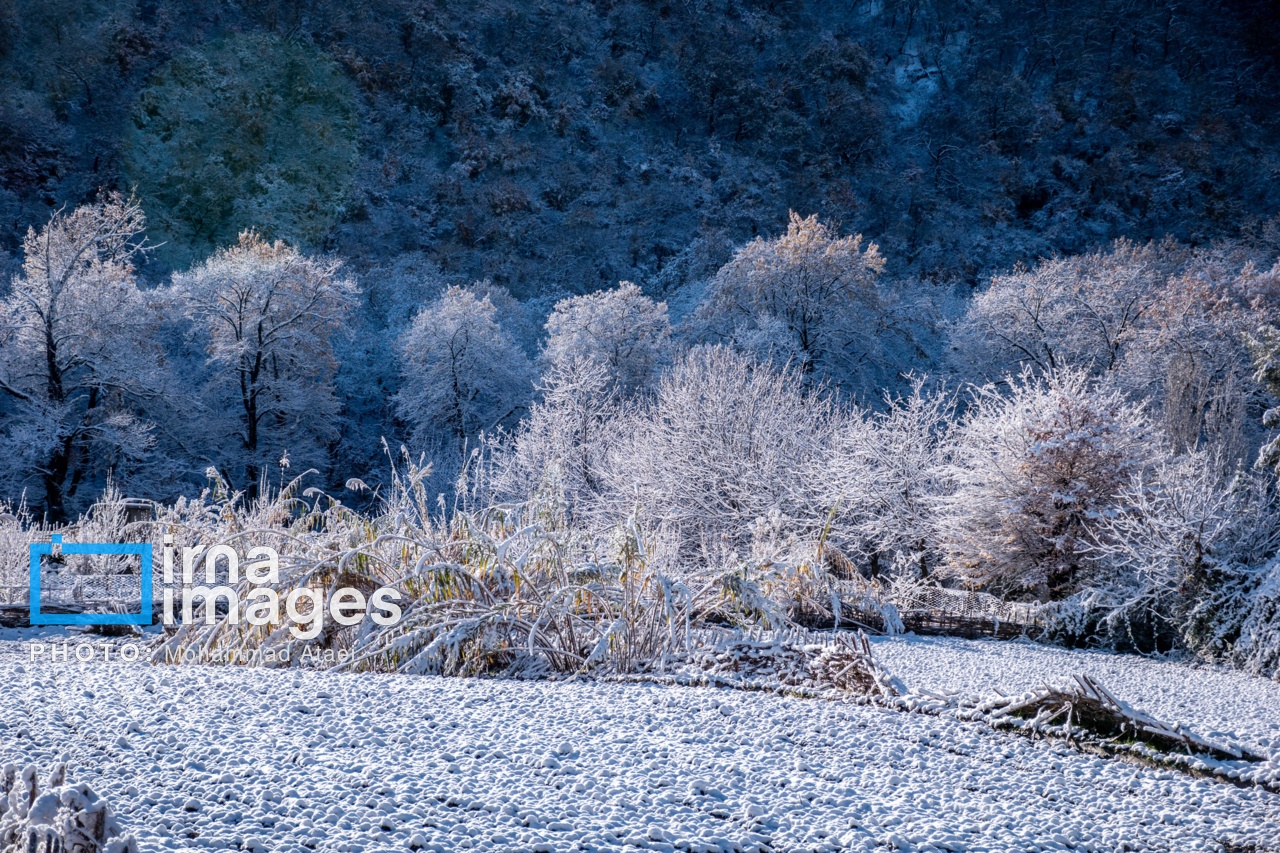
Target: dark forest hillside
(562, 146)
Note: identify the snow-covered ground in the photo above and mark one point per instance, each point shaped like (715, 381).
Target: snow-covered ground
(214, 758)
(1215, 701)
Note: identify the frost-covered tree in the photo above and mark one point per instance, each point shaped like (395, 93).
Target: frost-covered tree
(1159, 320)
(462, 374)
(1078, 311)
(810, 295)
(267, 315)
(77, 363)
(622, 330)
(520, 321)
(564, 442)
(1191, 361)
(1032, 470)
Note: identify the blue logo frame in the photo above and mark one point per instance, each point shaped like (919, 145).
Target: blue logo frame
(146, 608)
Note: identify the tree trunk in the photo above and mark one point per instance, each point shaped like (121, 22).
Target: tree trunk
(54, 476)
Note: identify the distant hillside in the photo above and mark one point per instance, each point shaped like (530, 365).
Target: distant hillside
(560, 146)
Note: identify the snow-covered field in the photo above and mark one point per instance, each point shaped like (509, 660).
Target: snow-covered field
(1217, 702)
(222, 758)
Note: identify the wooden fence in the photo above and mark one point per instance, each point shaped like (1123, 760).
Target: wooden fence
(933, 610)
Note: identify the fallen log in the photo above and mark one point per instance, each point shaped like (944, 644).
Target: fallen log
(1086, 708)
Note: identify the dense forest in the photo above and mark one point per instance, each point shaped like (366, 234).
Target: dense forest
(555, 149)
(561, 147)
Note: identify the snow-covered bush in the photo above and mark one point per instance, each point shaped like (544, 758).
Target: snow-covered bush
(564, 443)
(1179, 558)
(16, 531)
(883, 478)
(1032, 471)
(65, 818)
(723, 447)
(1264, 343)
(1257, 648)
(622, 330)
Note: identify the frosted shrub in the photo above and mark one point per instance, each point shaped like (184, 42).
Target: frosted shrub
(1257, 649)
(725, 441)
(504, 589)
(1264, 343)
(17, 529)
(884, 477)
(65, 818)
(1032, 470)
(565, 441)
(1180, 557)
